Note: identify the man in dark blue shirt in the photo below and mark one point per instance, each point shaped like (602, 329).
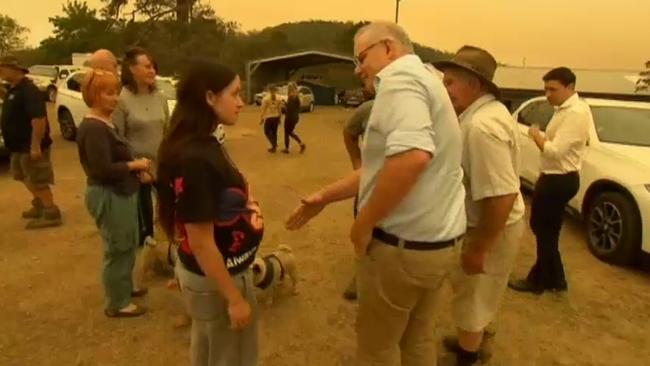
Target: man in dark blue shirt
(27, 136)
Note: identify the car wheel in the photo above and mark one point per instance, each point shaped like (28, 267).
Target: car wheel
(311, 107)
(51, 94)
(614, 228)
(66, 125)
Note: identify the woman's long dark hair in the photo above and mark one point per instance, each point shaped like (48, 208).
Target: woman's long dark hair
(131, 59)
(192, 121)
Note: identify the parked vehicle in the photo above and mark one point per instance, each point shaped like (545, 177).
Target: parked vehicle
(614, 194)
(48, 77)
(71, 109)
(352, 98)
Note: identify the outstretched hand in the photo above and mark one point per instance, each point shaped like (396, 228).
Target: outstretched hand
(309, 207)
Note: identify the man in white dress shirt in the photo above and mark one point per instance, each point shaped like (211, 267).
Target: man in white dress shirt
(411, 201)
(563, 149)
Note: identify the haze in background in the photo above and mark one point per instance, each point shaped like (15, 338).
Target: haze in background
(598, 34)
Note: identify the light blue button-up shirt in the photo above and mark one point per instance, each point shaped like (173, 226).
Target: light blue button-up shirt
(412, 110)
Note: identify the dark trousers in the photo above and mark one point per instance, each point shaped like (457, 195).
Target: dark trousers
(145, 205)
(271, 130)
(289, 127)
(552, 194)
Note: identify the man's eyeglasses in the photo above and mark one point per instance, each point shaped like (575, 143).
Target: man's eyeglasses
(358, 59)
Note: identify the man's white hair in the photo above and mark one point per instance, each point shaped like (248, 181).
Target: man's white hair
(381, 30)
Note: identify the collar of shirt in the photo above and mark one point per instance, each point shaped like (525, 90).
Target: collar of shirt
(22, 81)
(573, 100)
(476, 105)
(404, 62)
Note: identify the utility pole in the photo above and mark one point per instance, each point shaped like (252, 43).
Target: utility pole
(397, 11)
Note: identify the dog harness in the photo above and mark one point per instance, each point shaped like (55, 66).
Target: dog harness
(270, 271)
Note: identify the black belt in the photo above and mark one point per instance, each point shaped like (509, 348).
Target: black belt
(391, 239)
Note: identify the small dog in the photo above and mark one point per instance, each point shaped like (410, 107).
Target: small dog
(272, 270)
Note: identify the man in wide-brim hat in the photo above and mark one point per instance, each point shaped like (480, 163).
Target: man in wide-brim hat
(495, 208)
(26, 135)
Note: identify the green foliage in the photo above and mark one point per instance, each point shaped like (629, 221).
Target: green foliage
(78, 30)
(12, 34)
(155, 25)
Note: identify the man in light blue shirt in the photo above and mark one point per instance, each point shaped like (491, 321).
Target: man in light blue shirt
(412, 201)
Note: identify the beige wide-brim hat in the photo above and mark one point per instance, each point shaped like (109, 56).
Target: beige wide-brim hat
(475, 60)
(12, 61)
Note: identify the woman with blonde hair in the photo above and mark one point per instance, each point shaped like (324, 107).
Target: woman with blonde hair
(292, 116)
(270, 117)
(113, 181)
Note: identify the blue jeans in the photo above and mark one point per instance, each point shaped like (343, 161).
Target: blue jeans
(116, 218)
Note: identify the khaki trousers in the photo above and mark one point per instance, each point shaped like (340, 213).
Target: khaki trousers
(398, 295)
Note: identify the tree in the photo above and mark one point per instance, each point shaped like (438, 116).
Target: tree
(644, 79)
(150, 10)
(12, 34)
(78, 30)
(345, 38)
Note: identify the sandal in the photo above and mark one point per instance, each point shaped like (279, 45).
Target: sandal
(139, 293)
(138, 311)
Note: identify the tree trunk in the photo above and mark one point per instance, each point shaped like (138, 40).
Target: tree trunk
(183, 9)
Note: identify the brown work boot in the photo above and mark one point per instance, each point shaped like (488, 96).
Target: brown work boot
(51, 216)
(484, 352)
(35, 211)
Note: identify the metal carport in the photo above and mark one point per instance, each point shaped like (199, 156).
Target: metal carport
(262, 72)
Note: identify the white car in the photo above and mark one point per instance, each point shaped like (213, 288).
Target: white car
(614, 194)
(71, 109)
(48, 77)
(305, 94)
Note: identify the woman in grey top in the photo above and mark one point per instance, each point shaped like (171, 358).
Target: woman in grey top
(141, 116)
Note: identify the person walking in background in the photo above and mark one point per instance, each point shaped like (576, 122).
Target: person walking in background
(204, 201)
(26, 134)
(141, 117)
(411, 199)
(113, 179)
(291, 118)
(494, 205)
(563, 150)
(270, 117)
(352, 134)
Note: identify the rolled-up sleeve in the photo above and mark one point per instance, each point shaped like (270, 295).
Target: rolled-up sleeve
(573, 131)
(404, 116)
(490, 164)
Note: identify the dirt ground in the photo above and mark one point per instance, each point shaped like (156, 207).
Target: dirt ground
(51, 298)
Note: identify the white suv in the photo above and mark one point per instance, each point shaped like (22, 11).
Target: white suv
(71, 109)
(48, 77)
(614, 195)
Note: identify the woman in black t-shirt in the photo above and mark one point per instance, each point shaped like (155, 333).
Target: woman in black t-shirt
(205, 204)
(291, 119)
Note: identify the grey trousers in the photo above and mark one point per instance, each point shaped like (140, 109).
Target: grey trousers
(116, 218)
(213, 342)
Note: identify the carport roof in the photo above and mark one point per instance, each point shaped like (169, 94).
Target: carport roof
(302, 59)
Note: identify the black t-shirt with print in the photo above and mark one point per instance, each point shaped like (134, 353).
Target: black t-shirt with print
(23, 103)
(208, 187)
